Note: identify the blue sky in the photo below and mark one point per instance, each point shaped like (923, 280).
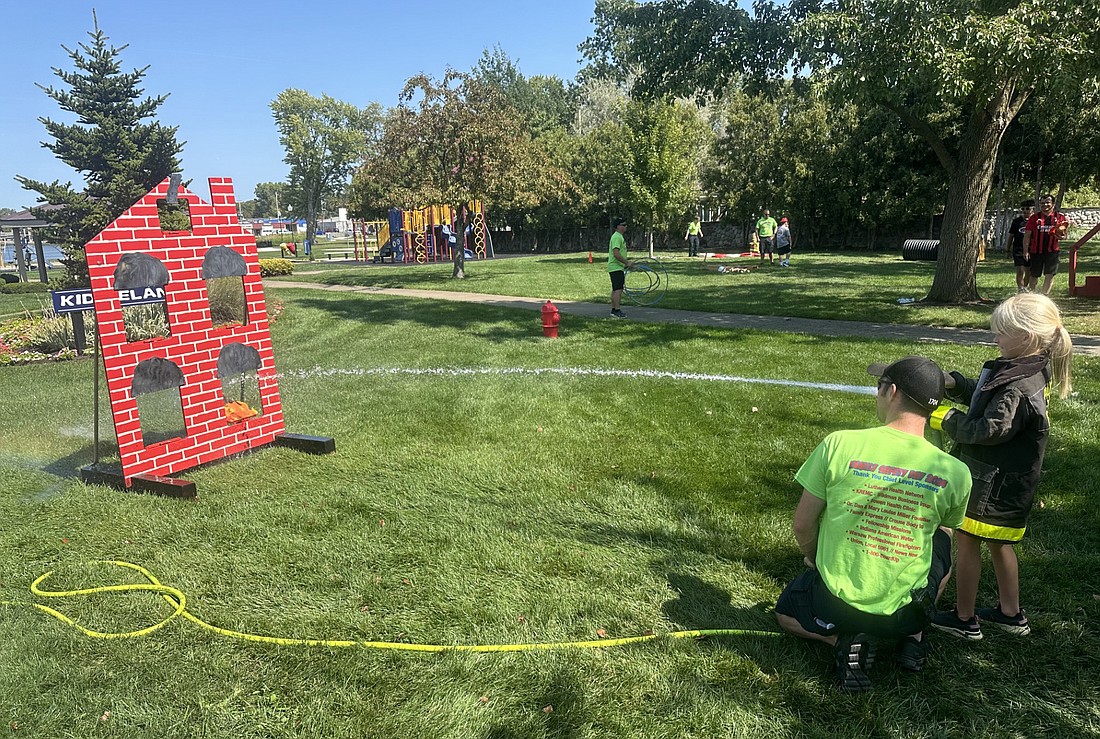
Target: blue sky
(222, 63)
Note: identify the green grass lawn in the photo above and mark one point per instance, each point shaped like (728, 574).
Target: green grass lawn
(17, 305)
(507, 507)
(858, 286)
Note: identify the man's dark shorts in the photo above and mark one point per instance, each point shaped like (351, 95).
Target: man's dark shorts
(818, 611)
(1044, 264)
(767, 244)
(618, 279)
(1018, 259)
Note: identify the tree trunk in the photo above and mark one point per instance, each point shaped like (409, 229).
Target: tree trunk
(968, 192)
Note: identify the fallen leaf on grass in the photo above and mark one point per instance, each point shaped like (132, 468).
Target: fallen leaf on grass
(1042, 505)
(377, 580)
(381, 522)
(755, 409)
(106, 715)
(710, 413)
(522, 619)
(602, 633)
(548, 708)
(484, 699)
(406, 581)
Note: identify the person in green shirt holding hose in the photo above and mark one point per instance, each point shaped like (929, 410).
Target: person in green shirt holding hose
(874, 529)
(617, 264)
(765, 229)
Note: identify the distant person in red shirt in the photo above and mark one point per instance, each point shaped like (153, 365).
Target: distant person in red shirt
(1041, 236)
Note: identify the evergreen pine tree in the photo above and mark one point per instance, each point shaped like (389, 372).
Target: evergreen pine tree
(120, 156)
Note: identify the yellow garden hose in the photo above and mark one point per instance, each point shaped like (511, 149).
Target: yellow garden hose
(178, 600)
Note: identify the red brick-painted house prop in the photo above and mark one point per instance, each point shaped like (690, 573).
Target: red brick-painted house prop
(135, 255)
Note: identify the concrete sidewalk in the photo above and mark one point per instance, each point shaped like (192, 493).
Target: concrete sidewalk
(1085, 345)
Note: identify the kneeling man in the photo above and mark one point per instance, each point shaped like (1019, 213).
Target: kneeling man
(874, 526)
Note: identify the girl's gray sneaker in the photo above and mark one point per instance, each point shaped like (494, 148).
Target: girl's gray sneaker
(1017, 624)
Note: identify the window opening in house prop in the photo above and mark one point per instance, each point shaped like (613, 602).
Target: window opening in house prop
(156, 389)
(224, 271)
(140, 281)
(238, 370)
(174, 216)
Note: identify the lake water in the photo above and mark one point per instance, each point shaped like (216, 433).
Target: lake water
(51, 252)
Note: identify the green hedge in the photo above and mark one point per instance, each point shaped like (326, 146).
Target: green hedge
(276, 267)
(13, 288)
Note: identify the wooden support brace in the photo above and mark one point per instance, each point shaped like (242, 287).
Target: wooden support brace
(156, 484)
(307, 444)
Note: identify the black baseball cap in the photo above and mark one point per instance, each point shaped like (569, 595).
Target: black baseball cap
(918, 378)
(618, 222)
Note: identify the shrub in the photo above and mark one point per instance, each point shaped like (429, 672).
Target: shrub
(50, 334)
(276, 267)
(39, 337)
(13, 288)
(145, 322)
(226, 296)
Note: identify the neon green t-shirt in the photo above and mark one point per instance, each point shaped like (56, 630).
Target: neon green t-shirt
(766, 227)
(885, 493)
(617, 242)
(694, 228)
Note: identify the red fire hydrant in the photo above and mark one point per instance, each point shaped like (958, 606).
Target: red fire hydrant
(550, 319)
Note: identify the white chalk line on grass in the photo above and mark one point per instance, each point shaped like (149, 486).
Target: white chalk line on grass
(318, 372)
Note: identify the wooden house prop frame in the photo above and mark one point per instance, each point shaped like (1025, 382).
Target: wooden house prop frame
(220, 378)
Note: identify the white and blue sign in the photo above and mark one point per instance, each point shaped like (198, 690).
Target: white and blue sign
(74, 301)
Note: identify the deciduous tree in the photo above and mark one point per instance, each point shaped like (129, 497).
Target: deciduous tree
(324, 140)
(453, 141)
(957, 72)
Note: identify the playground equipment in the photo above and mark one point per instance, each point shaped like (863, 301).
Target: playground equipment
(424, 235)
(1091, 288)
(926, 250)
(165, 253)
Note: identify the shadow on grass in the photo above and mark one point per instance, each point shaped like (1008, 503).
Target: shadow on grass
(68, 467)
(701, 605)
(562, 700)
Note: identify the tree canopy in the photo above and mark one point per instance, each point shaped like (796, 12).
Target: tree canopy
(956, 72)
(451, 141)
(324, 139)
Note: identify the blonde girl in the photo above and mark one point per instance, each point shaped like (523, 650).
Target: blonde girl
(1002, 437)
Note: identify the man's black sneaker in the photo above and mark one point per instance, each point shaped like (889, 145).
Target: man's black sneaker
(912, 653)
(1017, 624)
(854, 655)
(950, 622)
(617, 314)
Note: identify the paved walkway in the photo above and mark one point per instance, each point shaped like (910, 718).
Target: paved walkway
(1089, 345)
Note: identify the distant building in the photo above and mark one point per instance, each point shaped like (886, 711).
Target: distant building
(339, 224)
